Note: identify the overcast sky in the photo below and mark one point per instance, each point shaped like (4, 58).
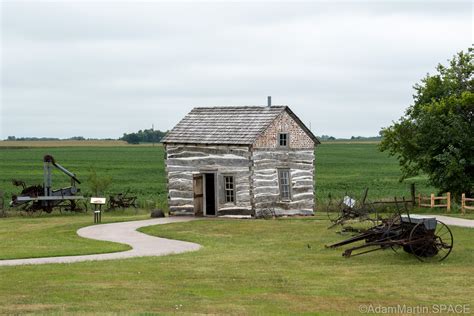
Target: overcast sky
(101, 69)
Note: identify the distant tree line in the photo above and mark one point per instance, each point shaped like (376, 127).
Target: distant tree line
(144, 136)
(326, 137)
(372, 138)
(14, 138)
(369, 138)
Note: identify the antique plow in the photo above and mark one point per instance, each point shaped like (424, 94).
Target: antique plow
(346, 209)
(424, 237)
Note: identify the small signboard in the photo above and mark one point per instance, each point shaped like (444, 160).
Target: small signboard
(97, 200)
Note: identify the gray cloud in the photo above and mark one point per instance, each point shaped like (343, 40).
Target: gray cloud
(98, 70)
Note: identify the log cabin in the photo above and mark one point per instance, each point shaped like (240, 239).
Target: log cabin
(240, 160)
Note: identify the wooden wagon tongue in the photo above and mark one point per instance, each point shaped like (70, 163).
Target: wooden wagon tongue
(428, 221)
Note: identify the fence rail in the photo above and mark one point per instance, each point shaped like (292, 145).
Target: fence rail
(432, 201)
(465, 207)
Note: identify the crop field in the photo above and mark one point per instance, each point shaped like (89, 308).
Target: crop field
(139, 169)
(352, 167)
(340, 168)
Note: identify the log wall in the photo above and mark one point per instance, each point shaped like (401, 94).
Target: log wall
(184, 161)
(265, 185)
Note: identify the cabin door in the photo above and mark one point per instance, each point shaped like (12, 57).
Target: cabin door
(210, 204)
(198, 194)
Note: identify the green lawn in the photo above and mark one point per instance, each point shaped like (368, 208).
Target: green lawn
(49, 236)
(245, 267)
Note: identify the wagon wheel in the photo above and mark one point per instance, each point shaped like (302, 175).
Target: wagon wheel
(334, 210)
(395, 247)
(429, 245)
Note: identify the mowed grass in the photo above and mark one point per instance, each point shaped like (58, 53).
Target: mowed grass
(340, 168)
(52, 236)
(244, 267)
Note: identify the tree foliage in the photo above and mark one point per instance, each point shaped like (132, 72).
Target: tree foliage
(98, 184)
(436, 134)
(144, 136)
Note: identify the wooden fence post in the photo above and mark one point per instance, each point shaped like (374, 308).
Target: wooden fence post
(432, 203)
(413, 192)
(463, 203)
(419, 199)
(449, 202)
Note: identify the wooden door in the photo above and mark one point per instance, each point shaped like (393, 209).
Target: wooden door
(198, 195)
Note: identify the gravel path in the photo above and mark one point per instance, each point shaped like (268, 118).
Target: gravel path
(454, 221)
(142, 245)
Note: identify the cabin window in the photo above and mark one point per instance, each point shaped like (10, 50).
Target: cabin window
(229, 189)
(283, 139)
(285, 184)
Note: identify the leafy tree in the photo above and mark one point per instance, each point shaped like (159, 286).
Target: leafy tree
(98, 184)
(131, 138)
(436, 134)
(145, 136)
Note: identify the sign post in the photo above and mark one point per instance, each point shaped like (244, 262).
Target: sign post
(97, 202)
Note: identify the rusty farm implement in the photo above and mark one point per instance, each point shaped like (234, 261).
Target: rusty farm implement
(424, 237)
(122, 200)
(347, 209)
(37, 198)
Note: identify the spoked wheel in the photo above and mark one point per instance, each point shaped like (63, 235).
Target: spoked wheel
(394, 246)
(334, 210)
(431, 245)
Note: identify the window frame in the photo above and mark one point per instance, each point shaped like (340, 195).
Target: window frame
(287, 140)
(230, 190)
(281, 185)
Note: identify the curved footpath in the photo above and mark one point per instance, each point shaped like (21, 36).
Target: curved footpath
(126, 233)
(145, 245)
(455, 221)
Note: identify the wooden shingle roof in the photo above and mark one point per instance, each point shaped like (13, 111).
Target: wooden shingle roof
(239, 125)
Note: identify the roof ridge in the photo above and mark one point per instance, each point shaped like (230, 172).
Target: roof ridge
(239, 125)
(240, 106)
